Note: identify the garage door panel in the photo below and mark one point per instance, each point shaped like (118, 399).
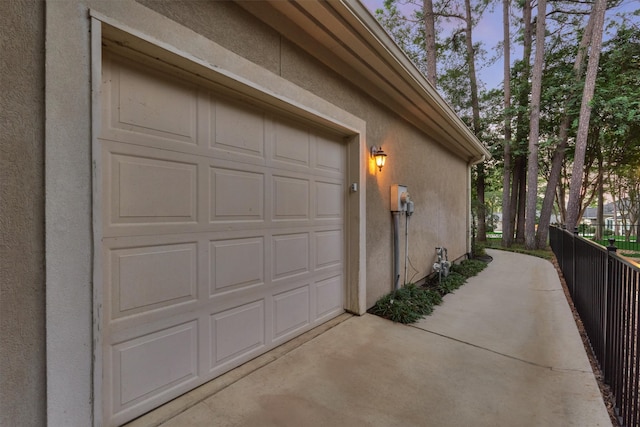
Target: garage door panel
(329, 200)
(148, 102)
(329, 297)
(330, 157)
(147, 189)
(290, 254)
(291, 145)
(150, 277)
(236, 195)
(329, 247)
(290, 198)
(148, 365)
(291, 311)
(236, 264)
(238, 129)
(237, 332)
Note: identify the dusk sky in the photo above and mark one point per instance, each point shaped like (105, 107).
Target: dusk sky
(489, 31)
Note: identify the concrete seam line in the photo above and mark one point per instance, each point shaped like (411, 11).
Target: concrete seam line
(551, 368)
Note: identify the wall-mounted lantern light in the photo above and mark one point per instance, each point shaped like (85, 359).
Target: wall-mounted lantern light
(379, 156)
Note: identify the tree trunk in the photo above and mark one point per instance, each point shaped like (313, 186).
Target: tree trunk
(573, 207)
(475, 107)
(558, 155)
(550, 193)
(534, 128)
(559, 205)
(481, 209)
(520, 170)
(507, 230)
(616, 229)
(600, 211)
(515, 186)
(522, 199)
(430, 41)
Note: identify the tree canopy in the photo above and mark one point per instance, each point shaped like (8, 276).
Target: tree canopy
(581, 140)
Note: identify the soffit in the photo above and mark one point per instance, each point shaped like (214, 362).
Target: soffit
(345, 37)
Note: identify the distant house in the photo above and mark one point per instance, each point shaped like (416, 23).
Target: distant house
(612, 215)
(187, 185)
(590, 215)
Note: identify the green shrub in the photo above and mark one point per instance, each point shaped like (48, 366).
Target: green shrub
(478, 249)
(450, 283)
(407, 304)
(469, 267)
(411, 303)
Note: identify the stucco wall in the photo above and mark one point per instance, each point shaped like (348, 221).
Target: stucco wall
(22, 330)
(436, 179)
(224, 20)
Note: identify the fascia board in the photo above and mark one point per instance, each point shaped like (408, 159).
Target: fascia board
(369, 28)
(385, 45)
(357, 50)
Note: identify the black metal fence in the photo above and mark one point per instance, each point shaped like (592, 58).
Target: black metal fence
(605, 290)
(626, 236)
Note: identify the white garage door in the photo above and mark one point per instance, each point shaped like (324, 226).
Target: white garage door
(222, 234)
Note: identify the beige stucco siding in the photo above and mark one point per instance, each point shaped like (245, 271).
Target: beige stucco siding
(227, 24)
(436, 179)
(22, 301)
(437, 184)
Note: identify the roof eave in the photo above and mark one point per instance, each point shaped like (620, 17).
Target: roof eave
(370, 59)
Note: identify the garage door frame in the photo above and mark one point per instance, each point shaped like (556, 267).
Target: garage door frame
(248, 81)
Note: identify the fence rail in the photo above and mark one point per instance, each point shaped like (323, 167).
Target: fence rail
(605, 290)
(626, 237)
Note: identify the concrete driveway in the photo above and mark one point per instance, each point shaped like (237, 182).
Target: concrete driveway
(503, 350)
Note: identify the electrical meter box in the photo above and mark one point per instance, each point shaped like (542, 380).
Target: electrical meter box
(399, 198)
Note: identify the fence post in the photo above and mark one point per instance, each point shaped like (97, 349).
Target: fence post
(561, 234)
(611, 249)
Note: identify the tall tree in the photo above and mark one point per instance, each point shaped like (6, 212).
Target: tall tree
(507, 230)
(407, 31)
(616, 111)
(534, 123)
(475, 111)
(522, 72)
(563, 137)
(573, 206)
(561, 92)
(430, 41)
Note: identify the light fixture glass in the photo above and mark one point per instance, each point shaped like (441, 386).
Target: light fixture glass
(379, 155)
